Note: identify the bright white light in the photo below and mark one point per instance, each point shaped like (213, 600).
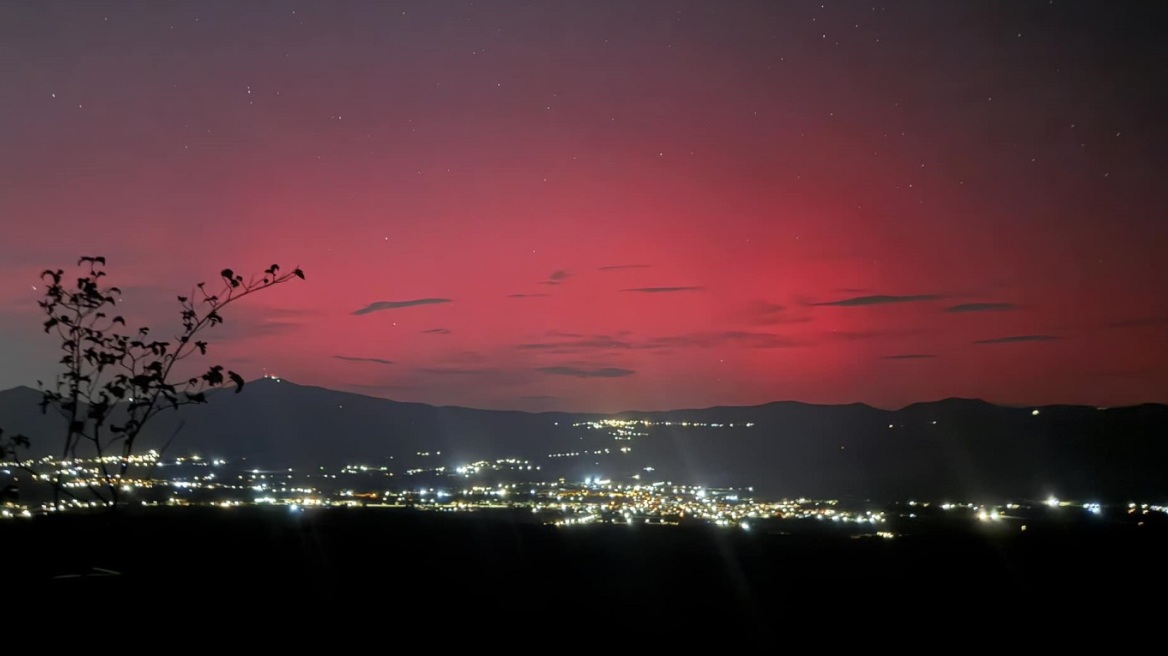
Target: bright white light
(1052, 502)
(1034, 412)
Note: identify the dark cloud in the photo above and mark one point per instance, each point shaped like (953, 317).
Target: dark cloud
(909, 356)
(526, 295)
(619, 267)
(662, 290)
(436, 331)
(556, 277)
(577, 372)
(982, 307)
(763, 313)
(880, 299)
(1017, 338)
(393, 305)
(347, 358)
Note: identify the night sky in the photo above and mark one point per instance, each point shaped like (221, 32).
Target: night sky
(608, 205)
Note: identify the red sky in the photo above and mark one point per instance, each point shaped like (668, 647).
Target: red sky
(737, 202)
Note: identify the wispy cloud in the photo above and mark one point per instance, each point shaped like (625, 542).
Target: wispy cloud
(456, 371)
(539, 397)
(909, 356)
(880, 299)
(619, 267)
(578, 372)
(662, 290)
(738, 338)
(1017, 338)
(556, 277)
(436, 331)
(593, 342)
(248, 322)
(348, 358)
(763, 313)
(527, 295)
(236, 329)
(378, 306)
(982, 307)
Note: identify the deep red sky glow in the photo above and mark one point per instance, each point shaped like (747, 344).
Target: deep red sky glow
(620, 205)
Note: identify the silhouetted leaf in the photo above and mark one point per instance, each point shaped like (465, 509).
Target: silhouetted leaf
(214, 376)
(298, 273)
(237, 379)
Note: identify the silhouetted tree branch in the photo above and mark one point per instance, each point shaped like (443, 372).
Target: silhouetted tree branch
(116, 380)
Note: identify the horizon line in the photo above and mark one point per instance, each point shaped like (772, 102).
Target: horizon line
(280, 379)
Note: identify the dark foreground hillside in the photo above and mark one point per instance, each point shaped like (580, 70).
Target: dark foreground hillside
(330, 568)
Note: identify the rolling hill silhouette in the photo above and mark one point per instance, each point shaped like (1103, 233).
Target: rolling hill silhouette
(956, 449)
